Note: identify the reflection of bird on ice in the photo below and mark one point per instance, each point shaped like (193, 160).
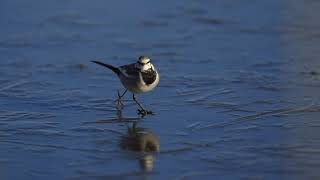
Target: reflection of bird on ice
(147, 162)
(138, 77)
(142, 140)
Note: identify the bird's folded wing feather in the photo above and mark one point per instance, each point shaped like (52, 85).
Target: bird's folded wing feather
(129, 70)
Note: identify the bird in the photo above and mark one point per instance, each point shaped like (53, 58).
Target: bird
(139, 77)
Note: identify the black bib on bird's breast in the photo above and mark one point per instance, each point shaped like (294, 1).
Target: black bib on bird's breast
(149, 76)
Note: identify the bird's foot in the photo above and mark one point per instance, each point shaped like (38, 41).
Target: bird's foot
(144, 112)
(119, 100)
(120, 105)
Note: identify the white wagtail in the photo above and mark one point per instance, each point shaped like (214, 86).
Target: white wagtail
(138, 77)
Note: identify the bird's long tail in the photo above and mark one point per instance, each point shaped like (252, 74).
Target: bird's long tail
(114, 69)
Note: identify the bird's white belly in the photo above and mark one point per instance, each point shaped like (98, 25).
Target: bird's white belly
(139, 87)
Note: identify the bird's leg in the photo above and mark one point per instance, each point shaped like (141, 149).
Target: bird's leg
(125, 91)
(119, 102)
(141, 111)
(135, 100)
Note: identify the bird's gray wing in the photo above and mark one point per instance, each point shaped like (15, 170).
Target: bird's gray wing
(129, 70)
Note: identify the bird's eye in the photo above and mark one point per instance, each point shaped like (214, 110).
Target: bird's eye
(143, 63)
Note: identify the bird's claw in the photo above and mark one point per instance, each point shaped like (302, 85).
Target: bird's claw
(120, 105)
(144, 112)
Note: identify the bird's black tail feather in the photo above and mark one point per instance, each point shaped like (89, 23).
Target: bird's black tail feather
(114, 69)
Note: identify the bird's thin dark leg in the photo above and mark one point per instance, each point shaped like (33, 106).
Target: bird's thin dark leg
(135, 100)
(122, 93)
(141, 111)
(119, 102)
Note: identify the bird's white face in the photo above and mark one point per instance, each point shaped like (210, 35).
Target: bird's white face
(144, 63)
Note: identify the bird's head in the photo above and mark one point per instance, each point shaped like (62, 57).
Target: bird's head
(144, 63)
